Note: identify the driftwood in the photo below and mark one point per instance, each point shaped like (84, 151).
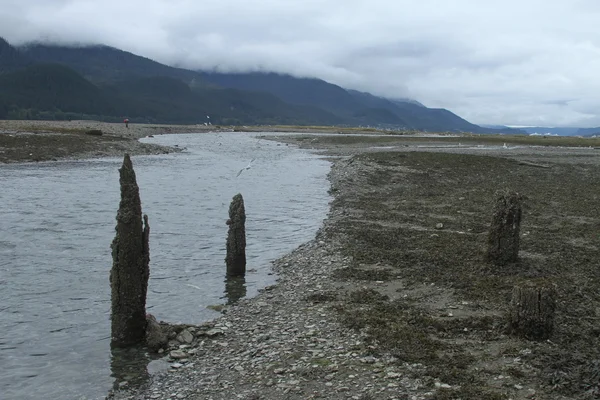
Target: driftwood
(130, 270)
(532, 310)
(532, 164)
(236, 238)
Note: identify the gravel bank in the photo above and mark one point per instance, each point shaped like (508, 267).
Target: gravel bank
(392, 300)
(284, 343)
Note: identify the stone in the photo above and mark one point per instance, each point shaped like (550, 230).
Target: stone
(185, 337)
(213, 332)
(156, 337)
(178, 354)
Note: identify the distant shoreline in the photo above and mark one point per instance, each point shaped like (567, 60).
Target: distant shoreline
(23, 141)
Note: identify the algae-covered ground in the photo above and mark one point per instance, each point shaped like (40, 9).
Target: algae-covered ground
(415, 225)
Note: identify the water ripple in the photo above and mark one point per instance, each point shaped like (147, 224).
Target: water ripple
(58, 222)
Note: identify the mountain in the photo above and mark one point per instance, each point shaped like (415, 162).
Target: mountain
(293, 90)
(49, 91)
(541, 130)
(406, 100)
(588, 131)
(169, 99)
(52, 87)
(142, 88)
(10, 58)
(554, 131)
(357, 108)
(104, 64)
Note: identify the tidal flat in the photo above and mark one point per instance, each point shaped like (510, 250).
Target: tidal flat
(393, 298)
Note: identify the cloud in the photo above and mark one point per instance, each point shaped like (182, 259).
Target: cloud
(512, 62)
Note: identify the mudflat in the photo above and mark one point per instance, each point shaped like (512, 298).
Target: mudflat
(31, 141)
(394, 299)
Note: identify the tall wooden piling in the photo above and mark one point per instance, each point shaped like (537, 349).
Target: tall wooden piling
(503, 237)
(130, 270)
(236, 238)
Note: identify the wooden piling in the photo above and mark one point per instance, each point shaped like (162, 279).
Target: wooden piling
(532, 310)
(236, 238)
(503, 237)
(130, 270)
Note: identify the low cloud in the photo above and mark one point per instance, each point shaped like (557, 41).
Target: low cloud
(515, 62)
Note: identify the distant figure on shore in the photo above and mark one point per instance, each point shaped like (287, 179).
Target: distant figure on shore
(126, 120)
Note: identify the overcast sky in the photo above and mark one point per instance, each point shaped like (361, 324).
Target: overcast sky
(515, 62)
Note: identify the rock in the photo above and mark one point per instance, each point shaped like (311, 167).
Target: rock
(178, 354)
(185, 337)
(213, 332)
(156, 337)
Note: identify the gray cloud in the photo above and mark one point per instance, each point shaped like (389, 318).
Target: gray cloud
(520, 62)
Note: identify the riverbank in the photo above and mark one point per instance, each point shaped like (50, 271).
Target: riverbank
(392, 300)
(34, 141)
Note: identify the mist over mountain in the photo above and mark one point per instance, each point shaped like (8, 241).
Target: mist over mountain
(11, 58)
(109, 83)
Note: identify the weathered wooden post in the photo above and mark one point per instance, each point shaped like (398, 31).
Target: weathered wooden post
(532, 311)
(236, 238)
(503, 238)
(235, 288)
(130, 270)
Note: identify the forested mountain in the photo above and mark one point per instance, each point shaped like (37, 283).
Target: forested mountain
(51, 91)
(103, 64)
(107, 83)
(53, 86)
(11, 58)
(356, 108)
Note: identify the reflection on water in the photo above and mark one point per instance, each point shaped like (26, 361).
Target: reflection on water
(58, 221)
(130, 366)
(235, 288)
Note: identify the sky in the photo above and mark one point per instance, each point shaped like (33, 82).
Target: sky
(509, 62)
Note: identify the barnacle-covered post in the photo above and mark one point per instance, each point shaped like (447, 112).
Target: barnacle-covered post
(236, 238)
(130, 270)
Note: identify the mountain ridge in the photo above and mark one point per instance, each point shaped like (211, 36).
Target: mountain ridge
(244, 98)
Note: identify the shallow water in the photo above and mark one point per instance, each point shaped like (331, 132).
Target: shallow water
(57, 221)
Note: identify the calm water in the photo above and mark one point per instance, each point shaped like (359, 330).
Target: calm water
(57, 221)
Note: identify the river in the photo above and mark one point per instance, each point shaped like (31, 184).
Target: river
(57, 221)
